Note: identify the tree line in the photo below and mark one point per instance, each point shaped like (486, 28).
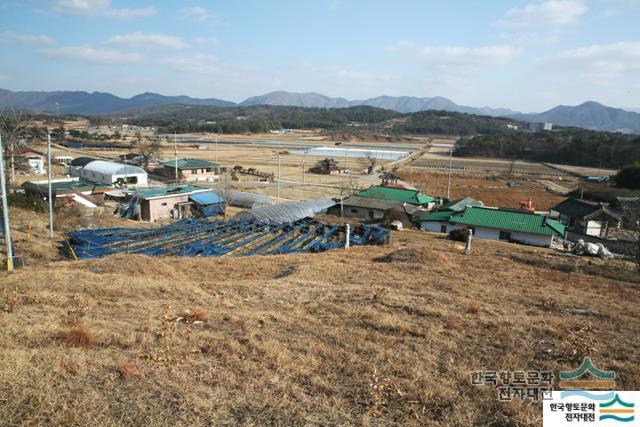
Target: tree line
(569, 146)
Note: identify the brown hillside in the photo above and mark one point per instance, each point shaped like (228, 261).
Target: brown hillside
(371, 336)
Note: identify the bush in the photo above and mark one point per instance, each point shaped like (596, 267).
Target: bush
(629, 176)
(25, 201)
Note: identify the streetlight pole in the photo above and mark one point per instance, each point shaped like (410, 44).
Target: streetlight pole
(5, 212)
(49, 185)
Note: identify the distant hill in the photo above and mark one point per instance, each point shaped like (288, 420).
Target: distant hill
(589, 115)
(77, 102)
(402, 104)
(293, 99)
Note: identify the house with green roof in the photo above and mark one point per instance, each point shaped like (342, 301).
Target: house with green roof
(497, 224)
(396, 194)
(190, 169)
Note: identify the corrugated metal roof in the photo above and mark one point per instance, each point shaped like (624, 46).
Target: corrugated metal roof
(502, 219)
(205, 198)
(398, 194)
(173, 190)
(369, 203)
(81, 161)
(112, 168)
(191, 164)
(442, 215)
(461, 204)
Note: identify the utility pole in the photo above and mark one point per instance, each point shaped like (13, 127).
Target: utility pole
(49, 185)
(216, 147)
(175, 152)
(449, 180)
(304, 158)
(278, 183)
(5, 212)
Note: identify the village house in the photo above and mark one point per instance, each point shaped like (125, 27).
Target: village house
(29, 160)
(72, 188)
(499, 224)
(364, 208)
(191, 169)
(592, 219)
(154, 204)
(402, 195)
(439, 220)
(329, 167)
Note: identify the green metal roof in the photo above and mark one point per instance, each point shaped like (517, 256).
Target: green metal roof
(461, 204)
(65, 186)
(149, 193)
(191, 164)
(442, 215)
(519, 221)
(397, 194)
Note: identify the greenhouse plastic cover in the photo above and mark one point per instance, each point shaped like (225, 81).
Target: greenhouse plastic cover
(286, 212)
(249, 200)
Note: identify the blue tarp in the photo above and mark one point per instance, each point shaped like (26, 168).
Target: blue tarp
(208, 203)
(205, 198)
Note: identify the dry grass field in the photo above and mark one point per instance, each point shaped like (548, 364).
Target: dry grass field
(338, 338)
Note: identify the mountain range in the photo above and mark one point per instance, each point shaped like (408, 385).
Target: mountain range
(589, 115)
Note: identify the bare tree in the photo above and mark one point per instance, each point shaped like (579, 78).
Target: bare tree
(225, 190)
(14, 126)
(148, 149)
(372, 161)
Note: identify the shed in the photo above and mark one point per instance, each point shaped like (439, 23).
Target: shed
(109, 173)
(207, 203)
(76, 165)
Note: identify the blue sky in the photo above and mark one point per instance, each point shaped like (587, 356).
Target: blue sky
(524, 55)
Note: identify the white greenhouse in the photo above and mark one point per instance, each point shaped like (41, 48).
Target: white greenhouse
(110, 173)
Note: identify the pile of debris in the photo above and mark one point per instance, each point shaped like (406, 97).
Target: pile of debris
(594, 249)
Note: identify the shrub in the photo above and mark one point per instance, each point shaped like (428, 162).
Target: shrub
(78, 335)
(629, 176)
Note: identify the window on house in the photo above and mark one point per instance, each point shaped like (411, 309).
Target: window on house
(354, 210)
(163, 204)
(443, 228)
(505, 235)
(132, 180)
(371, 214)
